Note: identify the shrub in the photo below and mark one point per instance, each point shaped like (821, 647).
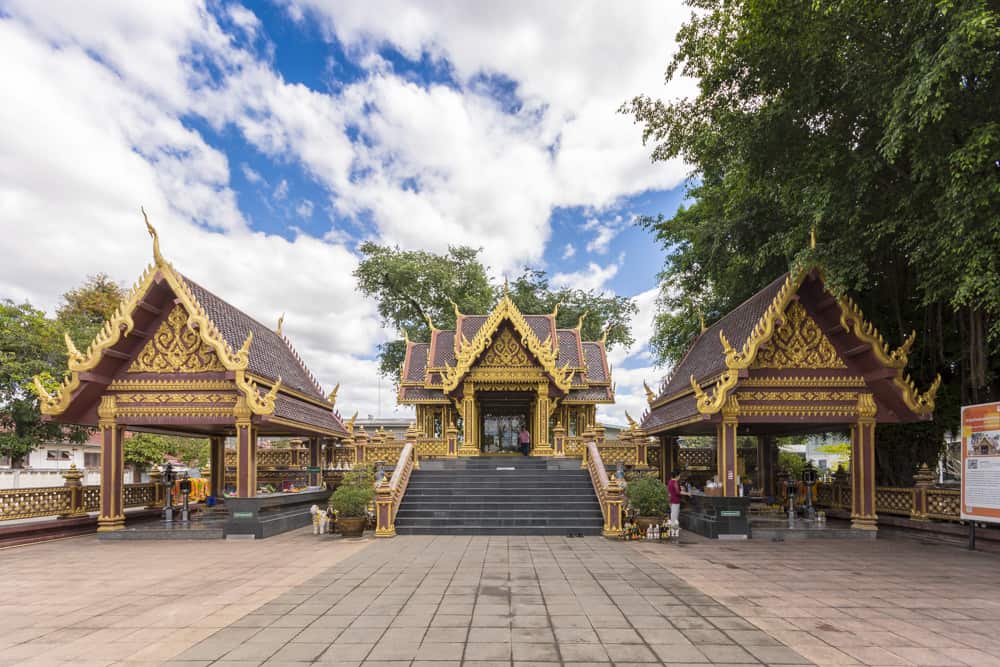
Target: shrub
(352, 500)
(648, 496)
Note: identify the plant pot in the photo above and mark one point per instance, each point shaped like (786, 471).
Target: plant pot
(645, 522)
(352, 526)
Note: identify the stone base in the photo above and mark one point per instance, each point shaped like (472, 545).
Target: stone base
(110, 523)
(864, 523)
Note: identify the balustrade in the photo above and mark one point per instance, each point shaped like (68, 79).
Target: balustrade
(943, 504)
(65, 500)
(609, 492)
(389, 492)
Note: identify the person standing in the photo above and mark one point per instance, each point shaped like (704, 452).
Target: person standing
(674, 491)
(524, 438)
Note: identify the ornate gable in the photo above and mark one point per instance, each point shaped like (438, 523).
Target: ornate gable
(175, 348)
(506, 352)
(798, 343)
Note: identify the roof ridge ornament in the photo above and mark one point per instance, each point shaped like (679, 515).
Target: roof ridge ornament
(579, 324)
(281, 322)
(157, 257)
(812, 238)
(701, 320)
(458, 313)
(332, 396)
(650, 396)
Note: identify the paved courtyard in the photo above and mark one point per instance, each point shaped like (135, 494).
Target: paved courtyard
(476, 601)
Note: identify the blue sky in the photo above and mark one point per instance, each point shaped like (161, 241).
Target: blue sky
(267, 139)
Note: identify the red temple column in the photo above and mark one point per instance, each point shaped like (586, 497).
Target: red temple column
(863, 514)
(314, 459)
(217, 461)
(725, 443)
(766, 460)
(669, 455)
(246, 452)
(112, 511)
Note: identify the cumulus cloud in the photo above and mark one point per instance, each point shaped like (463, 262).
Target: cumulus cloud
(97, 98)
(568, 251)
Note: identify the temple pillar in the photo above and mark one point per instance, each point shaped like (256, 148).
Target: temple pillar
(112, 510)
(767, 459)
(725, 443)
(540, 443)
(217, 464)
(669, 456)
(863, 514)
(314, 459)
(451, 439)
(470, 421)
(360, 445)
(246, 452)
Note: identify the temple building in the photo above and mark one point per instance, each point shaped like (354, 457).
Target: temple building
(792, 359)
(175, 358)
(496, 376)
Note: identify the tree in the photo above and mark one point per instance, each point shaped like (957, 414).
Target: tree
(874, 124)
(414, 289)
(30, 344)
(146, 449)
(84, 309)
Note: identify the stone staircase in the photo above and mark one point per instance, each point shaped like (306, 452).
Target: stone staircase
(495, 495)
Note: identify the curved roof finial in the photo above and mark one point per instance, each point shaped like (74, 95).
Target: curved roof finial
(157, 257)
(332, 397)
(812, 238)
(701, 320)
(555, 311)
(579, 324)
(430, 323)
(458, 313)
(281, 322)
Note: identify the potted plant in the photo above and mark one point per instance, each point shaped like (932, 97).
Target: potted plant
(648, 497)
(350, 502)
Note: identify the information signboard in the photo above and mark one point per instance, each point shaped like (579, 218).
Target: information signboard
(981, 462)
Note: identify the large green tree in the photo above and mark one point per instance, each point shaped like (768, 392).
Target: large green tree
(31, 343)
(878, 125)
(415, 288)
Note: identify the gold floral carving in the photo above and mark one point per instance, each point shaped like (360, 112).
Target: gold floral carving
(804, 381)
(797, 395)
(798, 343)
(175, 398)
(170, 385)
(175, 348)
(506, 352)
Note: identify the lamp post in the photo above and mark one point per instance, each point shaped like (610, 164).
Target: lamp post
(809, 479)
(168, 482)
(185, 494)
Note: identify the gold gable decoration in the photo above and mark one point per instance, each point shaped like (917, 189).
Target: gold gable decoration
(175, 348)
(798, 343)
(506, 352)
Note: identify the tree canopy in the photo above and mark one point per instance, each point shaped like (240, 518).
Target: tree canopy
(414, 289)
(875, 124)
(31, 343)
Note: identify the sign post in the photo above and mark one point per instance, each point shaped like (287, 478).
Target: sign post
(980, 465)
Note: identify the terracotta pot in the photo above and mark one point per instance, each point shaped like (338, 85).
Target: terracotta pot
(352, 526)
(645, 522)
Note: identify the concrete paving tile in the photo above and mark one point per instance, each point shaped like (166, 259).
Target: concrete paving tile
(776, 655)
(487, 652)
(536, 653)
(430, 651)
(620, 653)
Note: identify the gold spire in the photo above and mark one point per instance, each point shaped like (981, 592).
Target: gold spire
(650, 396)
(281, 321)
(350, 422)
(632, 424)
(332, 398)
(506, 287)
(157, 257)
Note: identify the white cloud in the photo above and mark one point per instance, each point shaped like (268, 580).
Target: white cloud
(568, 251)
(96, 97)
(304, 209)
(281, 190)
(594, 277)
(251, 175)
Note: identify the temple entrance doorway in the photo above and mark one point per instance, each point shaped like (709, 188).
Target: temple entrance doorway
(503, 416)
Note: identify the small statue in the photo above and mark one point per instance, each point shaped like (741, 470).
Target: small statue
(320, 519)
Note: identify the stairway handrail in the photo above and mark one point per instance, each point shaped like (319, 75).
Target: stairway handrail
(389, 493)
(609, 491)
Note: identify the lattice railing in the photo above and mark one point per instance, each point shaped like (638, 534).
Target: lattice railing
(385, 453)
(343, 457)
(614, 453)
(432, 447)
(574, 446)
(893, 500)
(92, 498)
(30, 503)
(140, 495)
(944, 503)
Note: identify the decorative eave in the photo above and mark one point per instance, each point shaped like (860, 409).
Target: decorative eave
(120, 324)
(468, 351)
(851, 320)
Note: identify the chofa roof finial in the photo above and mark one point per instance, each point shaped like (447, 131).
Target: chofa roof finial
(812, 238)
(157, 257)
(281, 322)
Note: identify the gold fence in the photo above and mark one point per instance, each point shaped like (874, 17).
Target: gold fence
(914, 502)
(59, 500)
(389, 492)
(609, 491)
(274, 458)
